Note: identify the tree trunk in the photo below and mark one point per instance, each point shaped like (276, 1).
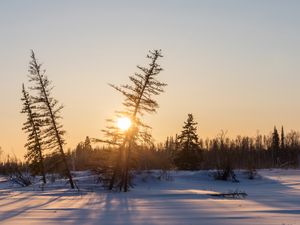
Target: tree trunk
(42, 167)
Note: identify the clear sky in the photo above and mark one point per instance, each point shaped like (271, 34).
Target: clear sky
(233, 64)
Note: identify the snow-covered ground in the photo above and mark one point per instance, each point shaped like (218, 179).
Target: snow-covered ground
(273, 199)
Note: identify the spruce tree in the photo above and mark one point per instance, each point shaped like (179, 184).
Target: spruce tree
(275, 146)
(32, 127)
(87, 144)
(282, 140)
(188, 156)
(275, 139)
(50, 109)
(138, 101)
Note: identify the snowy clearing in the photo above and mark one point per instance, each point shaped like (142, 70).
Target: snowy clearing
(273, 198)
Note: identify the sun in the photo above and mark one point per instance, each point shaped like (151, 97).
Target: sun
(123, 123)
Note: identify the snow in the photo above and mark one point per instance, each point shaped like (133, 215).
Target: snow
(273, 198)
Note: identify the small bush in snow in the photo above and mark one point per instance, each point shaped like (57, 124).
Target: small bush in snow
(251, 174)
(225, 174)
(23, 179)
(53, 177)
(165, 175)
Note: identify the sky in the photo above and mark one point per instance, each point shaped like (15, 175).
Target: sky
(233, 64)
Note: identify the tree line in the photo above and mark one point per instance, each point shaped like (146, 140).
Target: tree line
(186, 151)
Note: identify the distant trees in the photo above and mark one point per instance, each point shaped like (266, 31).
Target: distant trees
(32, 127)
(243, 152)
(221, 153)
(188, 153)
(171, 146)
(83, 154)
(138, 100)
(50, 111)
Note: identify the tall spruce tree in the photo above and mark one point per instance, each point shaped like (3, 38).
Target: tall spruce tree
(32, 127)
(188, 156)
(138, 101)
(282, 139)
(275, 139)
(87, 144)
(275, 146)
(50, 109)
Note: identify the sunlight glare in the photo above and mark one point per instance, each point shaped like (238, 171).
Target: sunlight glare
(123, 123)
